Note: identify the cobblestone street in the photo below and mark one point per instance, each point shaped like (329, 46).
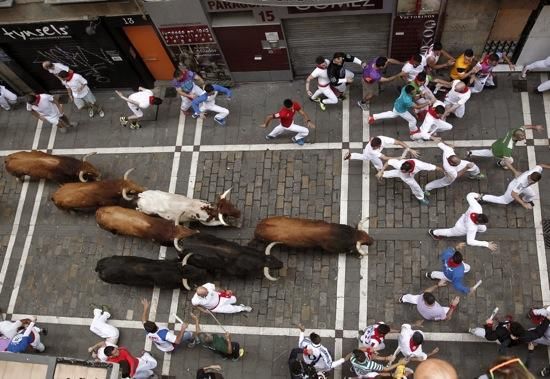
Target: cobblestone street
(49, 255)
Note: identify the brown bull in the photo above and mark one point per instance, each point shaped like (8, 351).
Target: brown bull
(299, 232)
(39, 165)
(133, 223)
(96, 194)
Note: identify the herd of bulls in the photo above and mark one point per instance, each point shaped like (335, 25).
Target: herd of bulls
(124, 207)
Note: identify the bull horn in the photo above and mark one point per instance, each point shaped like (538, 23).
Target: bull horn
(269, 247)
(220, 217)
(225, 193)
(185, 284)
(125, 195)
(184, 260)
(176, 244)
(361, 223)
(88, 155)
(268, 275)
(81, 176)
(128, 173)
(359, 249)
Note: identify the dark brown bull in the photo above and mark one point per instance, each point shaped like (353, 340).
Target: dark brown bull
(298, 232)
(60, 169)
(143, 272)
(85, 196)
(130, 222)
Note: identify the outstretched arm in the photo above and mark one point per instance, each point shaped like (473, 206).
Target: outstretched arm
(145, 304)
(309, 123)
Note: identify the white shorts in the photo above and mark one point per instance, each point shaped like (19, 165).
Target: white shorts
(87, 100)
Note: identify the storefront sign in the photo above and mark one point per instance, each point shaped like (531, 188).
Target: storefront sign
(186, 34)
(48, 31)
(225, 6)
(291, 2)
(347, 6)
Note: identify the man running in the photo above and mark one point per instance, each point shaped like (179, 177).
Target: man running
(401, 107)
(373, 151)
(46, 108)
(323, 84)
(80, 93)
(286, 115)
(340, 77)
(372, 76)
(137, 101)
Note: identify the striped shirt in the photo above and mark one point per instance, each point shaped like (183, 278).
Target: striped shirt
(366, 367)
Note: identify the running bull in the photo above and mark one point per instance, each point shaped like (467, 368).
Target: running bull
(180, 208)
(60, 169)
(130, 222)
(96, 194)
(143, 272)
(221, 257)
(303, 233)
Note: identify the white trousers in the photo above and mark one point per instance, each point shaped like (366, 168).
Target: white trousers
(100, 327)
(221, 112)
(279, 129)
(458, 230)
(542, 64)
(440, 275)
(342, 87)
(409, 180)
(480, 83)
(146, 364)
(393, 114)
(226, 306)
(458, 112)
(36, 344)
(447, 180)
(7, 98)
(489, 153)
(329, 94)
(376, 161)
(430, 126)
(544, 86)
(414, 299)
(527, 195)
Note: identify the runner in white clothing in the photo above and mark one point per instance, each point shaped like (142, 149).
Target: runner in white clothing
(412, 67)
(543, 64)
(10, 328)
(432, 123)
(316, 354)
(102, 329)
(456, 98)
(373, 151)
(55, 68)
(190, 91)
(405, 169)
(7, 98)
(207, 298)
(454, 168)
(374, 336)
(468, 225)
(323, 84)
(519, 188)
(137, 101)
(80, 93)
(46, 108)
(410, 344)
(543, 312)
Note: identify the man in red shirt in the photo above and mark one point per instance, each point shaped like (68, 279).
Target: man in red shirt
(141, 367)
(286, 115)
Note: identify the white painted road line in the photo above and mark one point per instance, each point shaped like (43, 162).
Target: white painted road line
(365, 212)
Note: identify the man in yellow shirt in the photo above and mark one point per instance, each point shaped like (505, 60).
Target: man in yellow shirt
(464, 67)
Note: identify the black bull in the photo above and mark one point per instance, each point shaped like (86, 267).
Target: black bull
(143, 272)
(221, 257)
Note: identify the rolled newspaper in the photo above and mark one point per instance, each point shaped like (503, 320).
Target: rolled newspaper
(495, 311)
(477, 285)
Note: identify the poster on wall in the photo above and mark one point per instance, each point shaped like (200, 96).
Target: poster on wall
(206, 60)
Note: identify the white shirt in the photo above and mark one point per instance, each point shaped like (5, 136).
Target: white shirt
(452, 171)
(418, 166)
(45, 107)
(10, 328)
(404, 339)
(210, 301)
(57, 68)
(371, 153)
(76, 82)
(319, 355)
(142, 97)
(412, 71)
(166, 344)
(430, 55)
(454, 97)
(468, 224)
(368, 338)
(520, 183)
(321, 75)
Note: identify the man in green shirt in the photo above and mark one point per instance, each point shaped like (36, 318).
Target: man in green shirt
(502, 148)
(363, 364)
(218, 343)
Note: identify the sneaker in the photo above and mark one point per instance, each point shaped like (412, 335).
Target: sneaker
(427, 193)
(363, 106)
(400, 299)
(431, 233)
(91, 112)
(135, 125)
(469, 154)
(371, 120)
(478, 176)
(101, 113)
(342, 97)
(429, 276)
(523, 74)
(44, 331)
(545, 371)
(322, 106)
(123, 121)
(241, 354)
(246, 308)
(472, 331)
(299, 141)
(195, 115)
(220, 122)
(424, 201)
(268, 137)
(348, 155)
(532, 203)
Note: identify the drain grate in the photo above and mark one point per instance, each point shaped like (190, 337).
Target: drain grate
(546, 232)
(519, 85)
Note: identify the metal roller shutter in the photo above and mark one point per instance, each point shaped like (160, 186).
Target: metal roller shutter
(365, 36)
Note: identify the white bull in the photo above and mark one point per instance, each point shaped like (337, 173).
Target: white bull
(181, 209)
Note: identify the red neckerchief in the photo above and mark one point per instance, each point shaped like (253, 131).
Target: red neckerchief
(151, 99)
(225, 294)
(433, 113)
(412, 166)
(412, 345)
(473, 217)
(466, 89)
(452, 263)
(69, 76)
(376, 335)
(37, 100)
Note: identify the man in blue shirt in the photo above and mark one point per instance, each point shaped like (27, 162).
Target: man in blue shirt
(21, 342)
(401, 108)
(207, 102)
(453, 269)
